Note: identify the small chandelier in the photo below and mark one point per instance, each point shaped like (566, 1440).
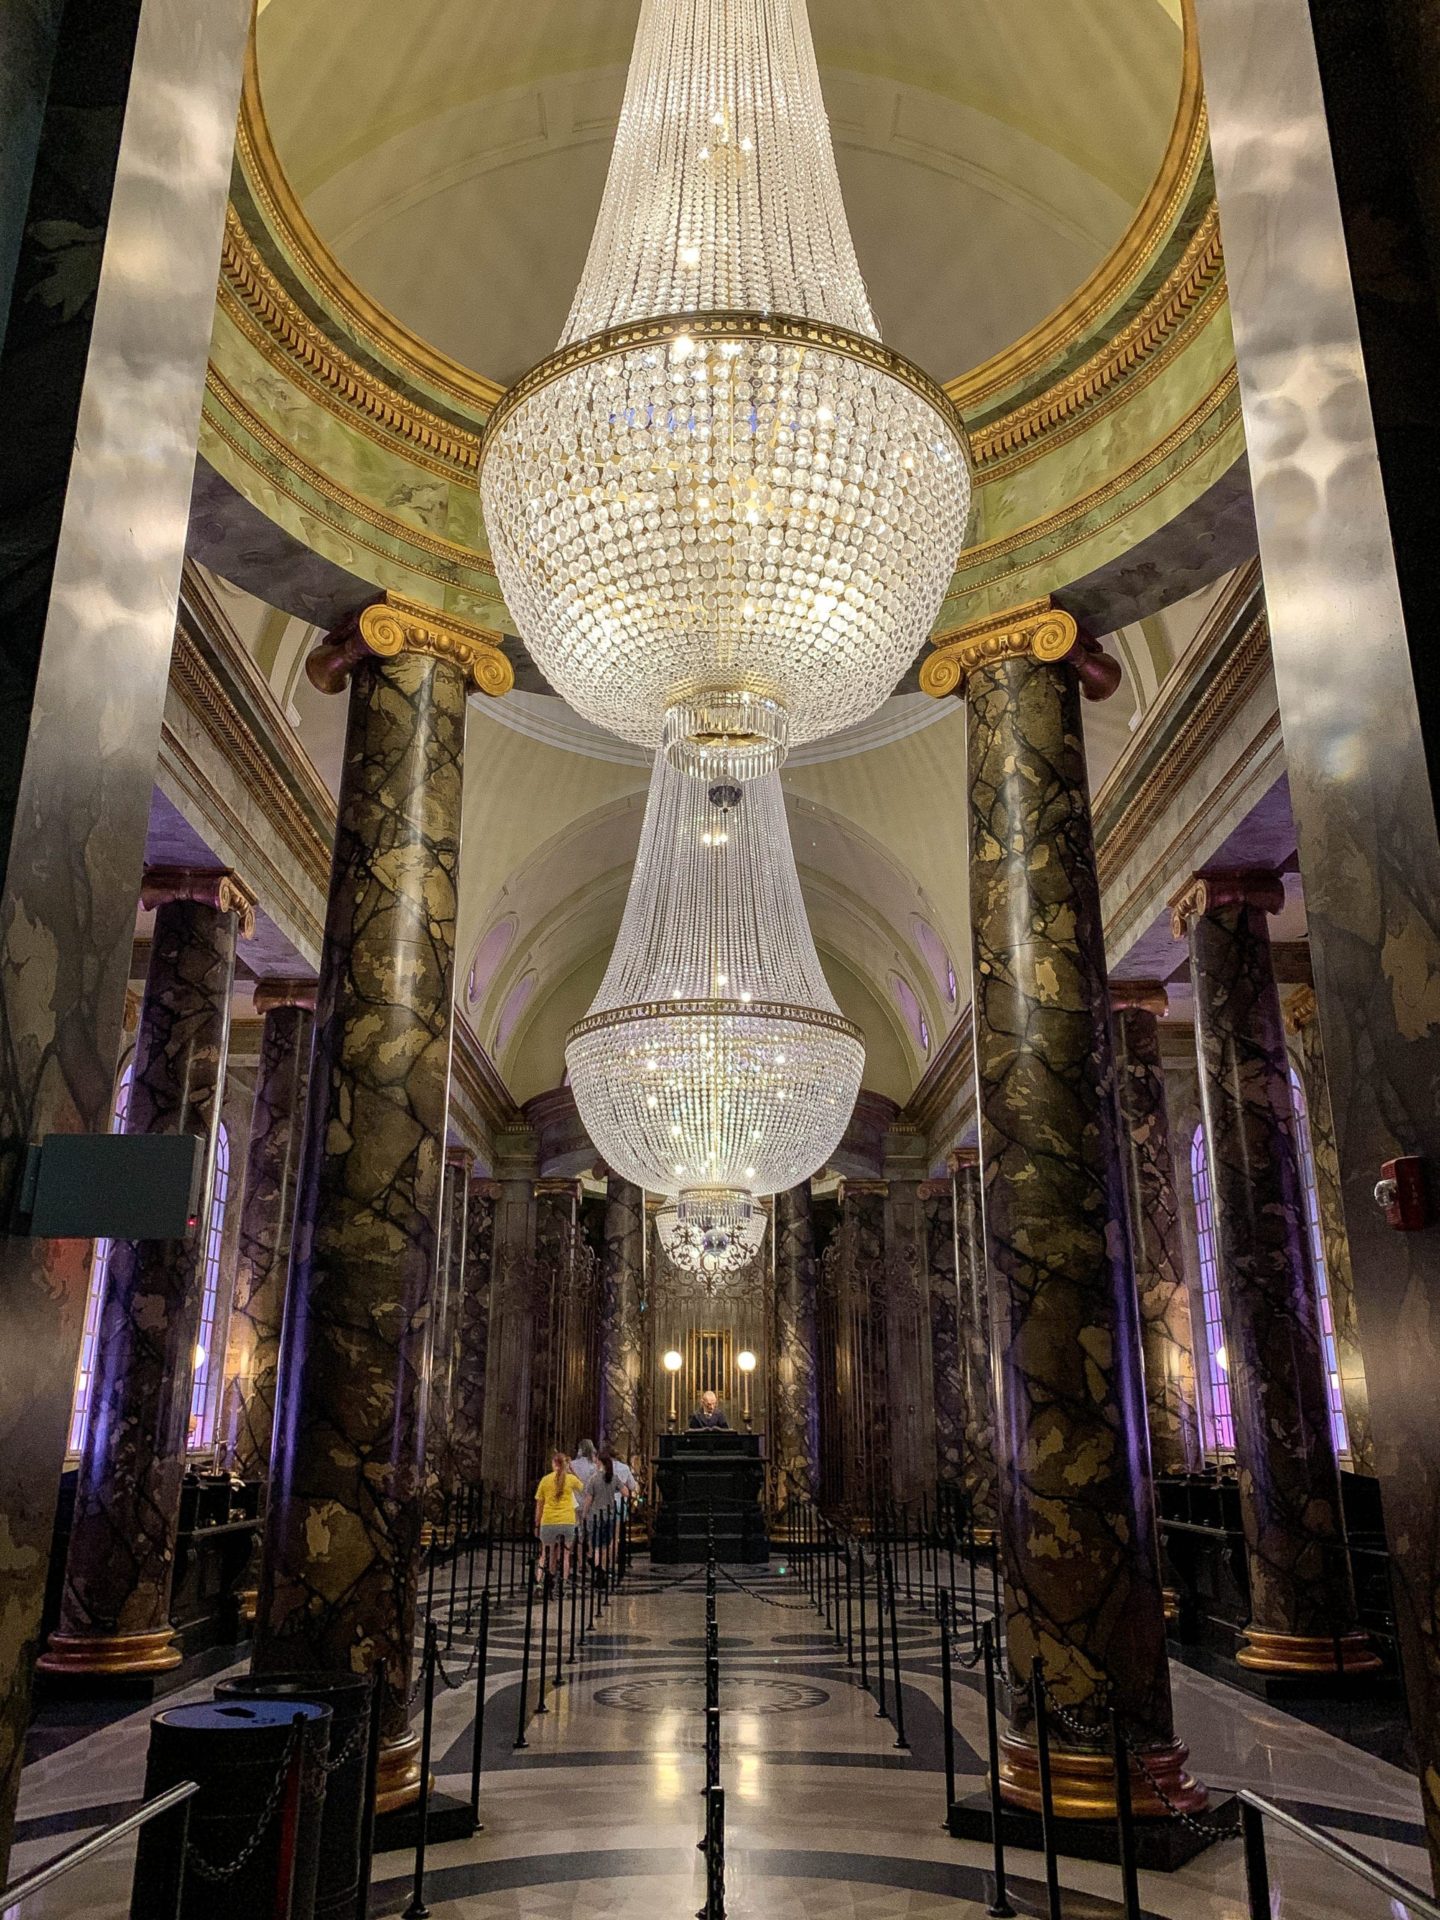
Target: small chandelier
(714, 1063)
(723, 514)
(710, 1235)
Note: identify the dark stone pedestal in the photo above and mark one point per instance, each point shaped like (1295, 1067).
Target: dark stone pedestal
(709, 1484)
(399, 1832)
(1160, 1845)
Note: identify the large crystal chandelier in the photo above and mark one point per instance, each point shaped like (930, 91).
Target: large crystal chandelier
(722, 513)
(711, 1238)
(714, 1063)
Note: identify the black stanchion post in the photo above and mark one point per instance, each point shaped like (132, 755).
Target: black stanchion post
(472, 1545)
(1000, 1906)
(1047, 1799)
(882, 1570)
(477, 1744)
(453, 1531)
(417, 1909)
(520, 1740)
(489, 1537)
(1257, 1868)
(1125, 1819)
(864, 1648)
(576, 1577)
(899, 1714)
(947, 1702)
(924, 1542)
(367, 1815)
(430, 1575)
(974, 1599)
(849, 1607)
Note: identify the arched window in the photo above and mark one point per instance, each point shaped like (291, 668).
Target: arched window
(1221, 1435)
(909, 1005)
(1338, 1425)
(202, 1400)
(94, 1299)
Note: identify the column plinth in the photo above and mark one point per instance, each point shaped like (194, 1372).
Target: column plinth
(1076, 1505)
(1302, 1599)
(345, 1512)
(115, 1606)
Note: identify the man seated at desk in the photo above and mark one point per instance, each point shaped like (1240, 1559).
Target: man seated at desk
(708, 1413)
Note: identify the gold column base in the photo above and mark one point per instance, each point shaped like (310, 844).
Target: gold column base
(100, 1653)
(397, 1773)
(1083, 1784)
(984, 1536)
(249, 1606)
(1307, 1653)
(1171, 1601)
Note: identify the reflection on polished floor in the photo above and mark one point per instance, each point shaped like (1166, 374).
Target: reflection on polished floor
(599, 1815)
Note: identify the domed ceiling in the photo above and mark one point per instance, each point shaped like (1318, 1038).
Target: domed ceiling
(452, 154)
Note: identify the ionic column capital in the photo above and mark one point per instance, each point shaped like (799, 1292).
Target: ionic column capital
(959, 1158)
(933, 1190)
(486, 1189)
(218, 889)
(1037, 631)
(1300, 1009)
(396, 625)
(1146, 996)
(272, 995)
(861, 1189)
(571, 1189)
(1206, 892)
(462, 1157)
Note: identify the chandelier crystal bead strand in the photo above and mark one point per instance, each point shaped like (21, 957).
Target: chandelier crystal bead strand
(714, 1063)
(723, 514)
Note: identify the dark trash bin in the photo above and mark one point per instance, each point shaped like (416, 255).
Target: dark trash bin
(254, 1850)
(342, 1825)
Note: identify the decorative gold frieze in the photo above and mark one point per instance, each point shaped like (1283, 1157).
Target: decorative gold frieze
(396, 625)
(1207, 892)
(218, 889)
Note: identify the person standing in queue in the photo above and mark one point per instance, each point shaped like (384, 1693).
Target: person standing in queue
(556, 1508)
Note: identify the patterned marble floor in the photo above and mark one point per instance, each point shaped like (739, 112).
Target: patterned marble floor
(597, 1818)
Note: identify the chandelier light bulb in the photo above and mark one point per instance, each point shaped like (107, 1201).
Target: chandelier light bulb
(750, 1086)
(723, 514)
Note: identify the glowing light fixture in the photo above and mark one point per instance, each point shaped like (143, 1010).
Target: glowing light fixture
(723, 513)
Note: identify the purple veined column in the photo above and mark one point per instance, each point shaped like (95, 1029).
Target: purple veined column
(343, 1522)
(1302, 1597)
(1076, 1504)
(862, 1230)
(267, 1213)
(472, 1342)
(1137, 1008)
(947, 1367)
(622, 1333)
(795, 1406)
(977, 1360)
(115, 1606)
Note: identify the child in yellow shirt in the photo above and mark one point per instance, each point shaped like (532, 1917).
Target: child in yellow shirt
(556, 1509)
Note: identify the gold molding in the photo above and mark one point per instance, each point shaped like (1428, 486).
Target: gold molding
(1208, 892)
(1117, 273)
(1267, 1652)
(712, 1009)
(1300, 1009)
(1037, 630)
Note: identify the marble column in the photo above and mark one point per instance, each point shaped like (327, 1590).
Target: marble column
(267, 1213)
(1302, 1020)
(554, 1405)
(977, 1452)
(1077, 1516)
(445, 1322)
(1137, 1008)
(622, 1334)
(115, 1607)
(862, 1222)
(472, 1338)
(947, 1367)
(795, 1405)
(1302, 1601)
(343, 1521)
(101, 395)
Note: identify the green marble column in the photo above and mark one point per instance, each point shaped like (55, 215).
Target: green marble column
(794, 1442)
(343, 1521)
(267, 1213)
(1160, 1283)
(1302, 1599)
(622, 1333)
(977, 1361)
(1302, 1020)
(472, 1346)
(1077, 1518)
(440, 1466)
(115, 1607)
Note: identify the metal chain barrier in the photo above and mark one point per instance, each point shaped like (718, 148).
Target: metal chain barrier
(786, 1606)
(206, 1869)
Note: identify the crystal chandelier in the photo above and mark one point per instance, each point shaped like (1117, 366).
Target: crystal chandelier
(714, 1063)
(710, 1236)
(723, 514)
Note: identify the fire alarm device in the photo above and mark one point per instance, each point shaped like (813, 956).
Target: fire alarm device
(1400, 1191)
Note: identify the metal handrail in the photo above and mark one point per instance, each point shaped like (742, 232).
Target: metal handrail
(32, 1883)
(1421, 1907)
